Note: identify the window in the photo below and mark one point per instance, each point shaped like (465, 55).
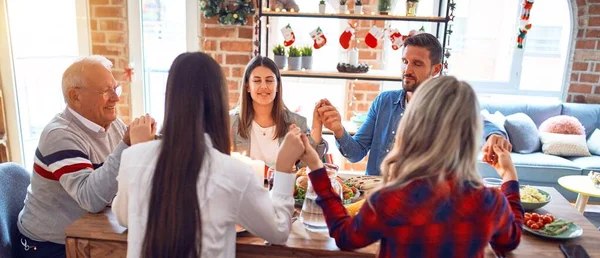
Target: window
(160, 30)
(40, 54)
(484, 51)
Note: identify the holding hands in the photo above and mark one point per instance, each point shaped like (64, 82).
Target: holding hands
(496, 153)
(326, 114)
(142, 129)
(296, 146)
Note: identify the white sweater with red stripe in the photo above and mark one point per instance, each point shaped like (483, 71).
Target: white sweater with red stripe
(74, 172)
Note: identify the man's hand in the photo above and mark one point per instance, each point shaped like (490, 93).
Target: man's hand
(504, 167)
(489, 156)
(331, 118)
(316, 130)
(142, 129)
(290, 150)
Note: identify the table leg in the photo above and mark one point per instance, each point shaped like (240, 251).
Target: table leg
(582, 200)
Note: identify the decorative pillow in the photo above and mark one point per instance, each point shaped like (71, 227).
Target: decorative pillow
(594, 142)
(566, 145)
(563, 125)
(497, 118)
(522, 132)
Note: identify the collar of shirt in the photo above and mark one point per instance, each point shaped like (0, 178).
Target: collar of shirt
(89, 124)
(401, 100)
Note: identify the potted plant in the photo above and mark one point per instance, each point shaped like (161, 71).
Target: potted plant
(280, 58)
(294, 59)
(384, 6)
(343, 6)
(307, 57)
(322, 6)
(411, 7)
(358, 7)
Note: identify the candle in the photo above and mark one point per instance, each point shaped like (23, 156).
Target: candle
(353, 57)
(258, 166)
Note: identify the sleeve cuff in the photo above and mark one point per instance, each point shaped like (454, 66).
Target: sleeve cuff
(319, 179)
(510, 187)
(343, 142)
(284, 183)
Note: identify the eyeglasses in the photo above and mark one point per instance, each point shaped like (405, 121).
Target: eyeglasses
(117, 90)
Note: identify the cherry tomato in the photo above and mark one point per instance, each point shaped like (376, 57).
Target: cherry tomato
(547, 219)
(540, 224)
(535, 226)
(535, 217)
(527, 216)
(551, 217)
(530, 223)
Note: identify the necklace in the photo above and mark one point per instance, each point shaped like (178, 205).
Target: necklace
(262, 130)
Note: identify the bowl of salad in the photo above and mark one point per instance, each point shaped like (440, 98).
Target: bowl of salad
(533, 198)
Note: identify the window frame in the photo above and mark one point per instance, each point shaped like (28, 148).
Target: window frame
(139, 95)
(512, 86)
(8, 79)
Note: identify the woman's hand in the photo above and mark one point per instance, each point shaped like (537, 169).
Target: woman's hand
(290, 150)
(504, 165)
(310, 156)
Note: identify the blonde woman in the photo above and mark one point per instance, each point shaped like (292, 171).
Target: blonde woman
(432, 202)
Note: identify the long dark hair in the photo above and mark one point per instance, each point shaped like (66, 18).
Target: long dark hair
(195, 104)
(245, 103)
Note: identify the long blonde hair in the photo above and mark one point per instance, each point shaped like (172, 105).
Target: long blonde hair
(438, 136)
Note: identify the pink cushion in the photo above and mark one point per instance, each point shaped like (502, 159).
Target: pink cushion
(562, 125)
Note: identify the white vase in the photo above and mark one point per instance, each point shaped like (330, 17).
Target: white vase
(321, 8)
(358, 9)
(343, 8)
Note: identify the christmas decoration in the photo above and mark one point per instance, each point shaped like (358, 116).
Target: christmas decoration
(384, 6)
(375, 33)
(288, 35)
(228, 12)
(319, 38)
(288, 5)
(129, 72)
(526, 10)
(396, 38)
(346, 37)
(522, 34)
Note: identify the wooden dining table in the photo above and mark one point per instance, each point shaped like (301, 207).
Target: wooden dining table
(99, 235)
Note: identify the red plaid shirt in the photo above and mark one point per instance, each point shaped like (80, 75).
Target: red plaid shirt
(421, 220)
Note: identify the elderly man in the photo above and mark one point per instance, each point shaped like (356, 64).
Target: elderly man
(77, 159)
(422, 59)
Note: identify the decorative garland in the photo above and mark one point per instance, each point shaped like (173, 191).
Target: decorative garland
(229, 12)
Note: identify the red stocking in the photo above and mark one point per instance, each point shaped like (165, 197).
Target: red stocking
(396, 39)
(319, 38)
(288, 35)
(373, 37)
(346, 36)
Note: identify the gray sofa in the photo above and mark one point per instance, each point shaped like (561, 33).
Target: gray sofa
(538, 168)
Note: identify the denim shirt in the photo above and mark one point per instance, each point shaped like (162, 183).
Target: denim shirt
(378, 132)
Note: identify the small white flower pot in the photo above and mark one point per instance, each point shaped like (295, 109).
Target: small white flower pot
(358, 9)
(321, 8)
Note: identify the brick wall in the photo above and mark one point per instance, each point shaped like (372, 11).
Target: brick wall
(232, 47)
(585, 70)
(109, 32)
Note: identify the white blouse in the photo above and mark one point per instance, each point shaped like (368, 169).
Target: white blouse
(228, 193)
(262, 145)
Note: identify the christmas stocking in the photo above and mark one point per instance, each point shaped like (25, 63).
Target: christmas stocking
(373, 37)
(346, 36)
(319, 38)
(288, 36)
(396, 39)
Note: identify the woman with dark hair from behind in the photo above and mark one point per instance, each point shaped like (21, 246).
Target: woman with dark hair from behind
(261, 119)
(182, 196)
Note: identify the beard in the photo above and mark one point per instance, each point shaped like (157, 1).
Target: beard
(410, 86)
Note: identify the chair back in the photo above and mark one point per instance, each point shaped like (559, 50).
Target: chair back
(14, 180)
